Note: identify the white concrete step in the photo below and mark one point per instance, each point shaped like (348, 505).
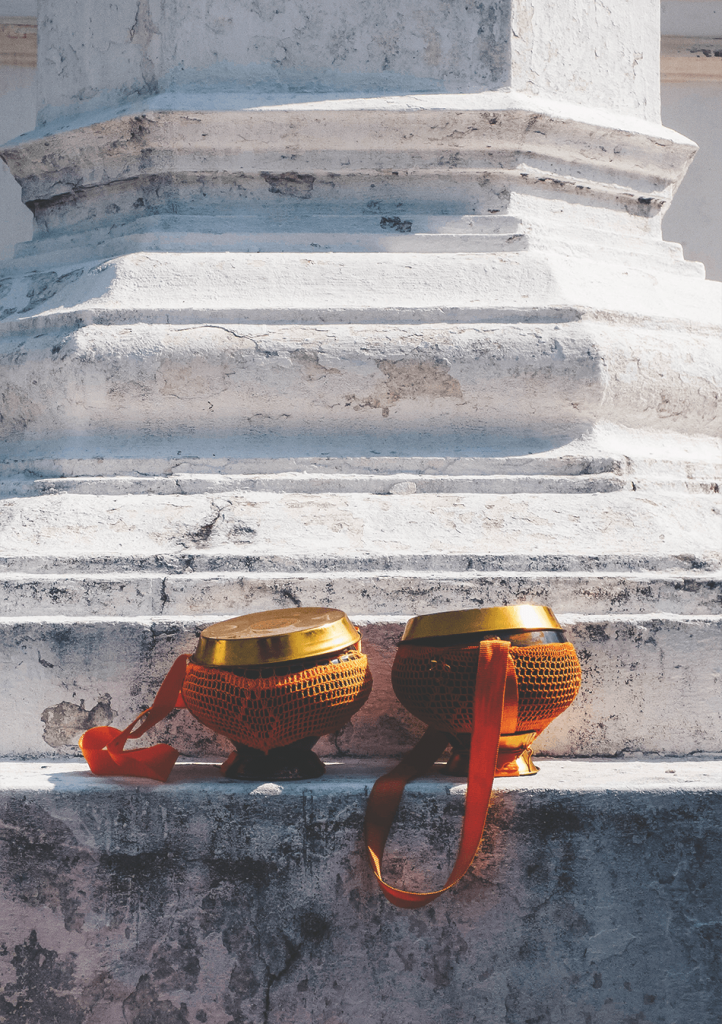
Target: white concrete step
(392, 483)
(395, 235)
(269, 222)
(622, 531)
(100, 593)
(348, 483)
(562, 472)
(686, 457)
(650, 684)
(595, 898)
(379, 592)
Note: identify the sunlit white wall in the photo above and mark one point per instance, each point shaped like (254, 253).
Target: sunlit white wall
(694, 108)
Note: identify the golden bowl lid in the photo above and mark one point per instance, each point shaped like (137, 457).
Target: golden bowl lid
(481, 620)
(284, 634)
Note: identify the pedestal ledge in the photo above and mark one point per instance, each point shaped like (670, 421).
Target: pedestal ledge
(198, 782)
(482, 132)
(596, 897)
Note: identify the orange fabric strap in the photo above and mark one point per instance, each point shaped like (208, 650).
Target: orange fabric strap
(103, 747)
(386, 794)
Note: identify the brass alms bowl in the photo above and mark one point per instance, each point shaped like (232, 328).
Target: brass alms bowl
(273, 683)
(434, 677)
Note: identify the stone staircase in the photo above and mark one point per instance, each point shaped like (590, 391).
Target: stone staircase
(94, 614)
(595, 896)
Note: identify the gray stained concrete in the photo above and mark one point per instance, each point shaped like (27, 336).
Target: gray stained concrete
(595, 900)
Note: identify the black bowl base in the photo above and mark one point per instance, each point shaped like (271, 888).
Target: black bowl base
(284, 764)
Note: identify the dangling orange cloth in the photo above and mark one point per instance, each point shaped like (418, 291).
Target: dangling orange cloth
(386, 794)
(103, 747)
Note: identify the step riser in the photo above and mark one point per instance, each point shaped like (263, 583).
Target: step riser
(700, 458)
(359, 594)
(623, 532)
(238, 563)
(100, 245)
(517, 484)
(206, 901)
(226, 224)
(331, 390)
(650, 684)
(300, 390)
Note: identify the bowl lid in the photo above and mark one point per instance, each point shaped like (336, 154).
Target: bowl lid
(481, 620)
(284, 634)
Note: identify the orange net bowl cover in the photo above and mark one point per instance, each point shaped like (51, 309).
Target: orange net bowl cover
(265, 711)
(437, 683)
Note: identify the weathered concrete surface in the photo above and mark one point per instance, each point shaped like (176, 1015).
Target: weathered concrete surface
(82, 643)
(363, 250)
(293, 271)
(596, 898)
(650, 684)
(389, 264)
(362, 590)
(620, 530)
(297, 390)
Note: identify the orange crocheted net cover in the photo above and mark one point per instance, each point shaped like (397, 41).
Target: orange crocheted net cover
(269, 711)
(437, 683)
(263, 711)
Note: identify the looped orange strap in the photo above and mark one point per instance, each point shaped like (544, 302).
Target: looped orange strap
(386, 794)
(103, 746)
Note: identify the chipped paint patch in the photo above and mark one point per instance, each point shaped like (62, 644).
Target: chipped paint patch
(64, 722)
